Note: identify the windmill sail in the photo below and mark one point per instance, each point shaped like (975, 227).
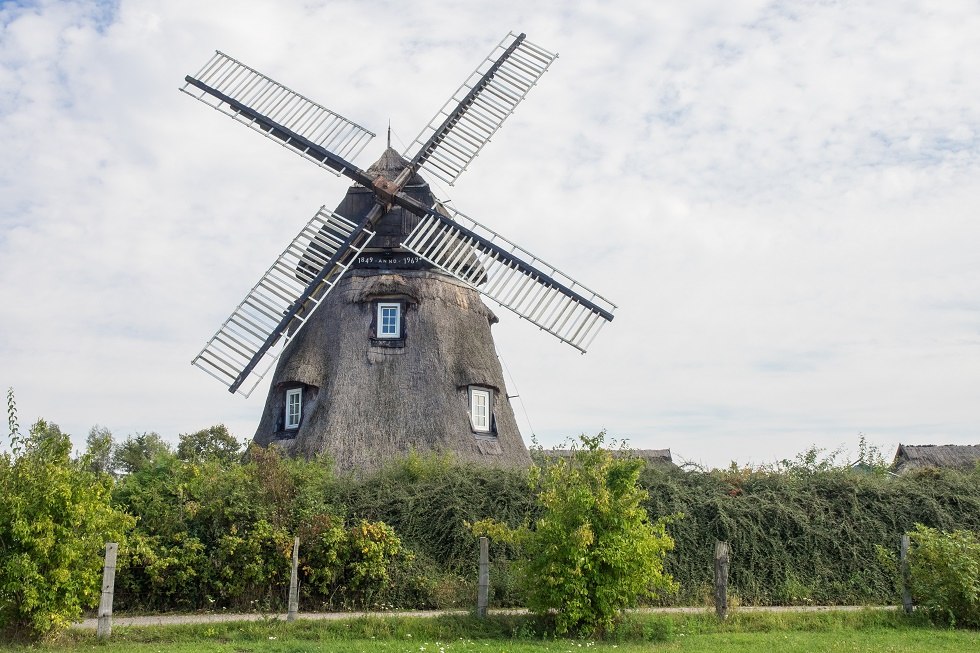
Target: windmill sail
(511, 276)
(461, 128)
(277, 112)
(251, 339)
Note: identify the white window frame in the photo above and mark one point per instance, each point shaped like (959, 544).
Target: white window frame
(380, 322)
(292, 420)
(481, 423)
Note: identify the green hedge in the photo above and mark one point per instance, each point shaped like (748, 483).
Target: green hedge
(805, 537)
(797, 536)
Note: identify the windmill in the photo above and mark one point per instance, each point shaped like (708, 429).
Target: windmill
(373, 309)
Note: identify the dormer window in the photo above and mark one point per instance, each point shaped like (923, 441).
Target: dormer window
(294, 408)
(389, 320)
(481, 409)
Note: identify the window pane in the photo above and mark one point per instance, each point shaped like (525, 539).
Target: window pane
(480, 409)
(294, 399)
(388, 321)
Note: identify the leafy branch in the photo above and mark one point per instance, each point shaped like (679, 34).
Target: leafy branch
(16, 441)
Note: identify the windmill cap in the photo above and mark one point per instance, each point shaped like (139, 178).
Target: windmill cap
(390, 165)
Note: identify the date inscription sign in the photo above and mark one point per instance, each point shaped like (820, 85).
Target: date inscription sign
(390, 261)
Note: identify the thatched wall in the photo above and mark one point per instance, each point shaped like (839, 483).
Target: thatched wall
(954, 456)
(366, 403)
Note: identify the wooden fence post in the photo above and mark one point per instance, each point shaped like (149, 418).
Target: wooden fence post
(721, 580)
(483, 588)
(104, 628)
(903, 570)
(294, 584)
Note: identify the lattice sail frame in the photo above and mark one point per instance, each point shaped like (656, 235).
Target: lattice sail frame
(511, 276)
(240, 83)
(246, 331)
(479, 107)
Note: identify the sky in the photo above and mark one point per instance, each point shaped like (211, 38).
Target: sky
(781, 198)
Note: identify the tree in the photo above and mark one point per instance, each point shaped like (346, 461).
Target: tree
(138, 451)
(57, 518)
(214, 442)
(99, 447)
(594, 550)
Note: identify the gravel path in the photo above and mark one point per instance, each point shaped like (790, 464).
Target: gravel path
(206, 618)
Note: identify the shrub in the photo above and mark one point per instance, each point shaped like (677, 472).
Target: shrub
(427, 499)
(212, 532)
(215, 532)
(56, 520)
(593, 551)
(348, 566)
(944, 570)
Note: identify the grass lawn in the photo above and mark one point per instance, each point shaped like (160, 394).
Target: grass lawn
(871, 630)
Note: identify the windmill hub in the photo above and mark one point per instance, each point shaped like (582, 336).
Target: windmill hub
(385, 190)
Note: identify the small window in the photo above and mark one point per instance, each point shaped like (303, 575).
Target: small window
(294, 407)
(389, 320)
(481, 404)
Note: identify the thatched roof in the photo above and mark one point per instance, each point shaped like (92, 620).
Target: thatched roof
(369, 403)
(390, 165)
(957, 456)
(651, 456)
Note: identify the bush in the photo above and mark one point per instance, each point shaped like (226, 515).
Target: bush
(347, 566)
(427, 499)
(593, 551)
(212, 533)
(56, 521)
(217, 533)
(944, 570)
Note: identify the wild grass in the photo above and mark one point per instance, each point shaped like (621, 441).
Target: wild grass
(866, 630)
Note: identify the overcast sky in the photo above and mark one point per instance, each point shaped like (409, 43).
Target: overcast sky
(782, 198)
